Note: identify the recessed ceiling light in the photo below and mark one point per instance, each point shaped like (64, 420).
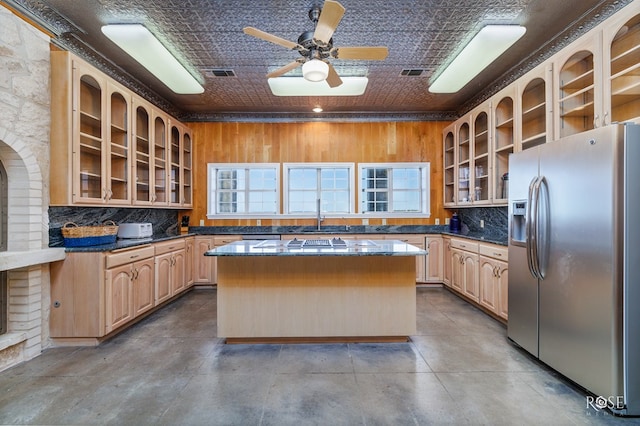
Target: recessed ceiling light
(145, 48)
(484, 48)
(317, 109)
(298, 86)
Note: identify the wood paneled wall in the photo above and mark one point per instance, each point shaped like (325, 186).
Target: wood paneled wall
(315, 142)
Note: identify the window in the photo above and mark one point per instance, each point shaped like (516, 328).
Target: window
(306, 183)
(394, 188)
(244, 189)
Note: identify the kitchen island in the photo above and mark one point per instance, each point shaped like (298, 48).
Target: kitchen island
(316, 290)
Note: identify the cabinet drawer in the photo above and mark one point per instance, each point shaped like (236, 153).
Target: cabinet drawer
(415, 240)
(128, 256)
(464, 245)
(169, 246)
(495, 251)
(226, 239)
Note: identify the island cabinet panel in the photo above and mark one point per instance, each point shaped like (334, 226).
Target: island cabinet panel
(316, 296)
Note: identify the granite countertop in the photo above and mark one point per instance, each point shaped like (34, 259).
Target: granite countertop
(334, 247)
(125, 243)
(259, 231)
(488, 236)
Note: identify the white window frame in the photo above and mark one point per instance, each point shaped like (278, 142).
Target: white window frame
(425, 177)
(352, 198)
(212, 192)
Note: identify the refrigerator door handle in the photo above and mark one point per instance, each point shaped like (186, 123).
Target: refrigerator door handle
(530, 227)
(542, 230)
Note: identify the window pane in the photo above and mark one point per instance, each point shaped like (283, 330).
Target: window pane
(302, 201)
(406, 179)
(303, 178)
(244, 190)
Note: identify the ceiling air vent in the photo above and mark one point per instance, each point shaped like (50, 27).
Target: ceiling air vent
(220, 72)
(412, 72)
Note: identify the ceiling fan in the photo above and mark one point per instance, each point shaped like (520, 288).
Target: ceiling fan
(316, 47)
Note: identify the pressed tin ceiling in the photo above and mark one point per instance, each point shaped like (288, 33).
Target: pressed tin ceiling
(423, 35)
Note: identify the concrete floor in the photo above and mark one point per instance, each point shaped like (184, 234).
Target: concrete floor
(172, 369)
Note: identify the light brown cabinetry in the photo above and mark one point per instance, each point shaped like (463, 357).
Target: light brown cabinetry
(170, 267)
(129, 286)
(534, 108)
(92, 294)
(478, 271)
(109, 146)
(434, 270)
(591, 83)
(204, 266)
(447, 261)
(494, 278)
(579, 87)
(464, 274)
(189, 259)
(449, 166)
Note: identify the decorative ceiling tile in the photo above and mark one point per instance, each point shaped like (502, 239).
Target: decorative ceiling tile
(207, 34)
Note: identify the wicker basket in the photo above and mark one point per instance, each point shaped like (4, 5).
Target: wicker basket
(82, 236)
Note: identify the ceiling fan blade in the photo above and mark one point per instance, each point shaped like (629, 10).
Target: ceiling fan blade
(374, 53)
(333, 79)
(270, 37)
(290, 66)
(330, 17)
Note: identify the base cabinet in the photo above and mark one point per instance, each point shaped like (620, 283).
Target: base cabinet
(189, 259)
(434, 270)
(494, 279)
(478, 271)
(447, 261)
(204, 266)
(94, 294)
(170, 267)
(421, 261)
(129, 292)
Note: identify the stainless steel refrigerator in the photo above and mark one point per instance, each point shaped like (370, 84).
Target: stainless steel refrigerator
(574, 260)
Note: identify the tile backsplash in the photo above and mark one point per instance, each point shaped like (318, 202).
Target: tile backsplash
(165, 221)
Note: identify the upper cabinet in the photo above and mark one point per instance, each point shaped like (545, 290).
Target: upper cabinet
(464, 162)
(481, 164)
(622, 86)
(578, 82)
(109, 146)
(503, 142)
(593, 82)
(449, 190)
(534, 108)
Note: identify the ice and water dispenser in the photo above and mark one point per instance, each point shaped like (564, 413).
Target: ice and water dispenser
(519, 222)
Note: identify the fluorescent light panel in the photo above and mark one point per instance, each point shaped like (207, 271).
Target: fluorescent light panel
(298, 86)
(142, 46)
(491, 42)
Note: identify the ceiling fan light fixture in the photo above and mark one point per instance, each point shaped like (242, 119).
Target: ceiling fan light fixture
(144, 47)
(490, 42)
(315, 70)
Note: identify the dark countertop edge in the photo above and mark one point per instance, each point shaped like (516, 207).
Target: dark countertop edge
(126, 243)
(317, 254)
(284, 230)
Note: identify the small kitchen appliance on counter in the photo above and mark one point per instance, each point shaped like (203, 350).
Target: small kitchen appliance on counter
(135, 230)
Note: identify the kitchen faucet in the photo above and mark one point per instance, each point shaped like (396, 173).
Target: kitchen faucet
(319, 218)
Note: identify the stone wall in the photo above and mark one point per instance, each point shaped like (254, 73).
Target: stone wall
(24, 151)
